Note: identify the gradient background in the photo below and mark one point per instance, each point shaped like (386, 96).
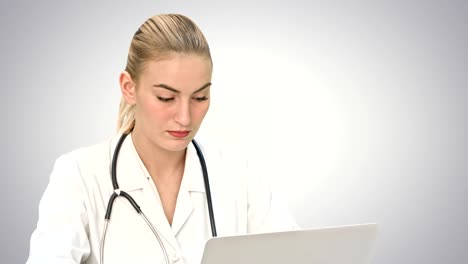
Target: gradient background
(356, 110)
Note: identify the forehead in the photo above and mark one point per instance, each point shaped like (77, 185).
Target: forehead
(181, 71)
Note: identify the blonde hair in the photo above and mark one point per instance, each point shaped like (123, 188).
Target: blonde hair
(159, 36)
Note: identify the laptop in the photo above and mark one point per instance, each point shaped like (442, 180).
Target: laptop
(332, 245)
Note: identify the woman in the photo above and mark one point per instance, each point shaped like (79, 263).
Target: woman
(165, 96)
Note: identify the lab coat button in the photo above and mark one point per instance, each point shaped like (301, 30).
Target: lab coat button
(175, 256)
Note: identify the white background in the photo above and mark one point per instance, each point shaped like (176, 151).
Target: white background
(356, 110)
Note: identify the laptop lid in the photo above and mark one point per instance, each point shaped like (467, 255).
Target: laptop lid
(331, 245)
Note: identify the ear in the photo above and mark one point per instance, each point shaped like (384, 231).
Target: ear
(128, 87)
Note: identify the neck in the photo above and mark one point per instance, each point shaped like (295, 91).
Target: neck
(159, 162)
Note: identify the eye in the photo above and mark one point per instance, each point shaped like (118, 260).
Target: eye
(165, 99)
(200, 99)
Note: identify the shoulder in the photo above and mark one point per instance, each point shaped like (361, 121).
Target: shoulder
(227, 164)
(223, 151)
(87, 159)
(95, 154)
(220, 153)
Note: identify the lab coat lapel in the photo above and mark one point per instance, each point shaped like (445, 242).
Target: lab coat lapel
(130, 177)
(192, 181)
(134, 179)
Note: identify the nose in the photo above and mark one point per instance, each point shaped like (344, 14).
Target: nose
(183, 113)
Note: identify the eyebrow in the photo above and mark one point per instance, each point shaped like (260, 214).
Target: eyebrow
(167, 87)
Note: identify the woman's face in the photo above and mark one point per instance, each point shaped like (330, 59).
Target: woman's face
(172, 97)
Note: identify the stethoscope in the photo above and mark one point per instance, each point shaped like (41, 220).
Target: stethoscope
(117, 192)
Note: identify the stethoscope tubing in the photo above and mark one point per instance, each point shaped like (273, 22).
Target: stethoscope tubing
(207, 188)
(117, 192)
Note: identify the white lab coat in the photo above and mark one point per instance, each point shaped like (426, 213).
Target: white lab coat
(72, 209)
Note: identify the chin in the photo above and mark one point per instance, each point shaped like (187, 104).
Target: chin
(177, 145)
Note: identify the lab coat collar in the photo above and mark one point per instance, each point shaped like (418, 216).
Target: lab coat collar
(193, 174)
(192, 181)
(130, 178)
(130, 175)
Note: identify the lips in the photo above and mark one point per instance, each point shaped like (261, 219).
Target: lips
(178, 133)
